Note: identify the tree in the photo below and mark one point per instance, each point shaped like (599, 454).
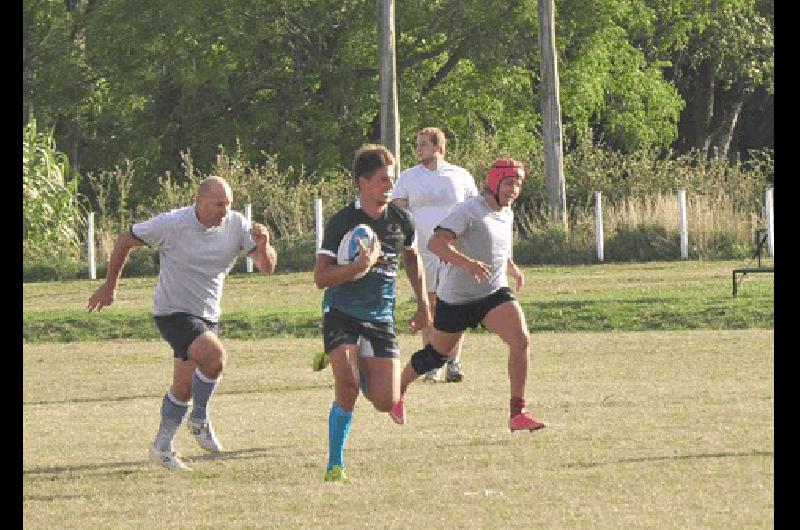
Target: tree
(614, 90)
(722, 52)
(298, 80)
(58, 86)
(285, 78)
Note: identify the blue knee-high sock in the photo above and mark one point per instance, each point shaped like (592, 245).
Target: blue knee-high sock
(339, 422)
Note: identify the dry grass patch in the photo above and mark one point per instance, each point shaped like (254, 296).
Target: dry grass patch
(644, 430)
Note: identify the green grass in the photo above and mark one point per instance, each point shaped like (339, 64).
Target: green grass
(650, 429)
(668, 426)
(620, 297)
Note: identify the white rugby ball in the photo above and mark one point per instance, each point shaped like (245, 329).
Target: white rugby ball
(348, 247)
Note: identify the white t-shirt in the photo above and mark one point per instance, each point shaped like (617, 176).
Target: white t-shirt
(431, 195)
(193, 259)
(482, 234)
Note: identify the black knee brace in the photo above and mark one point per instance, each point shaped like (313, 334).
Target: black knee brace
(427, 359)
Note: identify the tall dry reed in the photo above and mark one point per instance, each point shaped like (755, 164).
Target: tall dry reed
(708, 217)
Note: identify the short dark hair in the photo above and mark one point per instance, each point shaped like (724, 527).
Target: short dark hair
(369, 158)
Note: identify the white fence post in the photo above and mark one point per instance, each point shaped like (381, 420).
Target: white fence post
(90, 246)
(682, 217)
(769, 222)
(318, 220)
(598, 224)
(248, 212)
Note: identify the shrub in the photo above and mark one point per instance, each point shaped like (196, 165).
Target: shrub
(552, 245)
(51, 270)
(727, 246)
(723, 205)
(142, 262)
(295, 254)
(647, 242)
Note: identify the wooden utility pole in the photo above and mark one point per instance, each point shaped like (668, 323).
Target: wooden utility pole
(390, 120)
(551, 114)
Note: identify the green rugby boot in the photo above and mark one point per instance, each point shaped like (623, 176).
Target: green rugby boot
(320, 361)
(336, 474)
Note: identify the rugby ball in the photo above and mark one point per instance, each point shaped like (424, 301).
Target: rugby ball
(348, 247)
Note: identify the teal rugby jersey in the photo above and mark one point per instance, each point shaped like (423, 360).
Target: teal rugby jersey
(371, 298)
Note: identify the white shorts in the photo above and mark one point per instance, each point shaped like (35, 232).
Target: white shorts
(433, 268)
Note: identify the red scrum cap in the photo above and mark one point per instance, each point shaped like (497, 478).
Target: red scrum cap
(500, 169)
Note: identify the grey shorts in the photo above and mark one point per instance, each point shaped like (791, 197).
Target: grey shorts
(375, 339)
(181, 329)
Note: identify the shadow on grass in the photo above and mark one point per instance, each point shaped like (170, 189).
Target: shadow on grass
(125, 468)
(130, 467)
(580, 304)
(584, 465)
(117, 399)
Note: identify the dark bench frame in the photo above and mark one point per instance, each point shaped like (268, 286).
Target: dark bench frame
(761, 238)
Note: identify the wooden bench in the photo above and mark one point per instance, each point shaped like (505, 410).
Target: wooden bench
(749, 270)
(761, 240)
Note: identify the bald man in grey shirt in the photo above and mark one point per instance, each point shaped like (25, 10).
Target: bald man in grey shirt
(198, 246)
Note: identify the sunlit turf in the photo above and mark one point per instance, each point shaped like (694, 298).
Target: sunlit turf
(647, 429)
(621, 297)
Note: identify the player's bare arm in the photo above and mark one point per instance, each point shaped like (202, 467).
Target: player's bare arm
(516, 273)
(441, 244)
(264, 255)
(107, 292)
(328, 273)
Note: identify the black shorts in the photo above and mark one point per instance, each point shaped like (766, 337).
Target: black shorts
(454, 318)
(376, 339)
(180, 330)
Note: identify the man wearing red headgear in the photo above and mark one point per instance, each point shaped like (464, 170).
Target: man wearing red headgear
(475, 240)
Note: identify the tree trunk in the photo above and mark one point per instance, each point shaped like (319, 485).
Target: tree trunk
(551, 115)
(390, 121)
(727, 116)
(755, 127)
(703, 107)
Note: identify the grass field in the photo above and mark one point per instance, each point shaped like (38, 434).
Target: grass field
(645, 429)
(609, 297)
(657, 387)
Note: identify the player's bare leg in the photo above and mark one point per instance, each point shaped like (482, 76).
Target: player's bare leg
(440, 342)
(508, 322)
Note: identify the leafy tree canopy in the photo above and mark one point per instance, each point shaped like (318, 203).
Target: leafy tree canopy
(145, 80)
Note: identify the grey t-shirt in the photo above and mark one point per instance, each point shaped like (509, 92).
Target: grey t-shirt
(193, 259)
(482, 234)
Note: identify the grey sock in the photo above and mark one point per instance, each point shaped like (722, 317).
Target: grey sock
(202, 389)
(172, 414)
